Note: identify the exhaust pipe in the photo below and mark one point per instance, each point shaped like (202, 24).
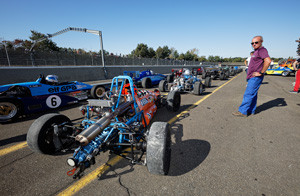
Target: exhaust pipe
(95, 129)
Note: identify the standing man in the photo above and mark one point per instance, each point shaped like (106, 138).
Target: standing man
(247, 61)
(260, 61)
(297, 83)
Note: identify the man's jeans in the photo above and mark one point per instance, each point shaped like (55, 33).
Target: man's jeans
(248, 105)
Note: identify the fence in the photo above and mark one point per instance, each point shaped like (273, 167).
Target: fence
(38, 58)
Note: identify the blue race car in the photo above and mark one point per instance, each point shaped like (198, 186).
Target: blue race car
(43, 94)
(278, 70)
(148, 78)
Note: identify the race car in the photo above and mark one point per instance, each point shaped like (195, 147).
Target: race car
(120, 124)
(186, 83)
(148, 78)
(279, 70)
(43, 94)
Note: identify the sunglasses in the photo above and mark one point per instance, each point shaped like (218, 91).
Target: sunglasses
(252, 43)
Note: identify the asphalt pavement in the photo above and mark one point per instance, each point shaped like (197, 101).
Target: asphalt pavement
(213, 152)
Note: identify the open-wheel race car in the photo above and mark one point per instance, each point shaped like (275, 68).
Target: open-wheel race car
(122, 121)
(148, 78)
(187, 82)
(214, 73)
(43, 94)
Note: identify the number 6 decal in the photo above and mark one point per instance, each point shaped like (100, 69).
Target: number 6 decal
(53, 101)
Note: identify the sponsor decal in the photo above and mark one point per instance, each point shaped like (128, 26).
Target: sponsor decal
(81, 86)
(53, 101)
(144, 101)
(62, 88)
(35, 86)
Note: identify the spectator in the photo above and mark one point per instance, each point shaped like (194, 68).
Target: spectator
(297, 82)
(247, 61)
(259, 63)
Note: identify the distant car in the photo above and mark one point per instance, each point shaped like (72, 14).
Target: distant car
(279, 70)
(30, 97)
(148, 78)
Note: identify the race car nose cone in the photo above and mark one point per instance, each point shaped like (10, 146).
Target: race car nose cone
(71, 162)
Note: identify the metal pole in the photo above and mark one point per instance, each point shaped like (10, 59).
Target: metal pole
(6, 53)
(102, 54)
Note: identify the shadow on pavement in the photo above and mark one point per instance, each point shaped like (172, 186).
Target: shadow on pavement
(16, 139)
(186, 155)
(279, 102)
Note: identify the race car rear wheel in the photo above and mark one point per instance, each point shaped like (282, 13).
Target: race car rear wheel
(208, 82)
(41, 137)
(170, 78)
(163, 86)
(203, 75)
(173, 101)
(9, 109)
(97, 91)
(222, 76)
(198, 88)
(146, 83)
(158, 153)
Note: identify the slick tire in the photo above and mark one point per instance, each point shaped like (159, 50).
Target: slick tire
(163, 86)
(40, 136)
(173, 101)
(158, 153)
(198, 88)
(97, 91)
(146, 83)
(208, 82)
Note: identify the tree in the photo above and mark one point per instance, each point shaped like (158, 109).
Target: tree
(151, 53)
(188, 56)
(181, 56)
(141, 50)
(194, 52)
(202, 59)
(174, 53)
(163, 52)
(46, 45)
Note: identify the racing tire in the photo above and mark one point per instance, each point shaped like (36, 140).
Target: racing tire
(40, 136)
(198, 88)
(163, 86)
(146, 83)
(222, 76)
(158, 152)
(203, 75)
(208, 82)
(97, 91)
(170, 78)
(227, 74)
(285, 73)
(10, 109)
(173, 101)
(213, 77)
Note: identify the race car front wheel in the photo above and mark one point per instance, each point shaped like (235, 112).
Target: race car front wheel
(158, 153)
(41, 136)
(173, 101)
(9, 109)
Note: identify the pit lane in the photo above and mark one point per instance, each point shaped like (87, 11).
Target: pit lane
(213, 153)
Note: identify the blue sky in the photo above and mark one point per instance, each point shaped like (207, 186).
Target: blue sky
(214, 27)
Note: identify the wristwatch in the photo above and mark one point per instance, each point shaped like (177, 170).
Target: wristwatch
(261, 73)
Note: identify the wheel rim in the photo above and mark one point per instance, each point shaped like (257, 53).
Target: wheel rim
(100, 92)
(7, 110)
